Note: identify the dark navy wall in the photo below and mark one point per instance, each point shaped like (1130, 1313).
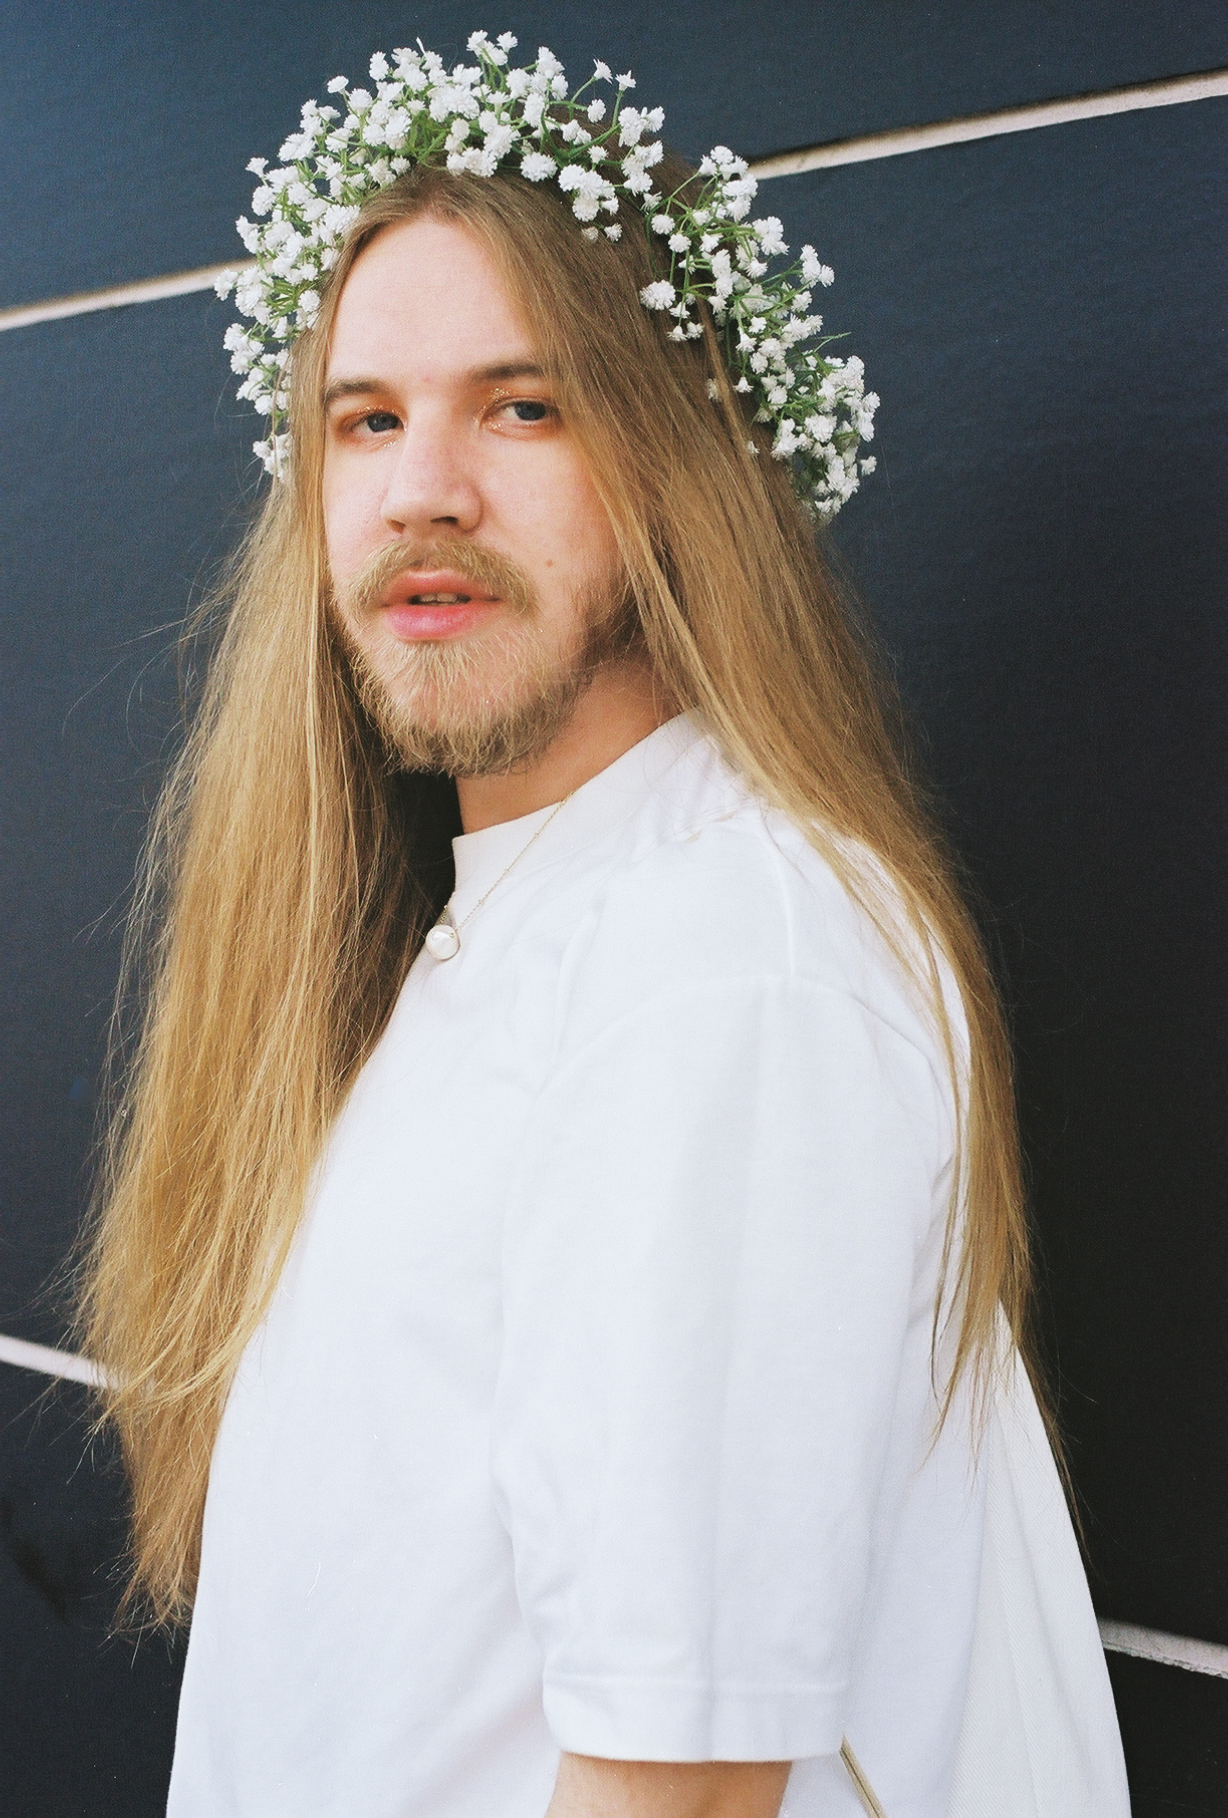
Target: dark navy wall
(1043, 547)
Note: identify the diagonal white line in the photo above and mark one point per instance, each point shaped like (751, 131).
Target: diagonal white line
(1168, 1650)
(147, 290)
(1203, 87)
(892, 144)
(26, 1356)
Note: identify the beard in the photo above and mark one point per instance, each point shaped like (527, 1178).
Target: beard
(485, 704)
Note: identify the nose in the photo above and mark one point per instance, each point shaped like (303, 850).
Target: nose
(430, 488)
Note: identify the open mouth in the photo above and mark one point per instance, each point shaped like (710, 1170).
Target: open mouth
(436, 603)
(436, 587)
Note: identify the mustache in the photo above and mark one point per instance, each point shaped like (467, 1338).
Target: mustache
(489, 571)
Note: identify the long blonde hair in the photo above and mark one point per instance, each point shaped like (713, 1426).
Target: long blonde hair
(291, 872)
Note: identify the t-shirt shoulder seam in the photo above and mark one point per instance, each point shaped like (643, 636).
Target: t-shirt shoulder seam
(734, 982)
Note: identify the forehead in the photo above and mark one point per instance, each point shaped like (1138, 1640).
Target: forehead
(425, 298)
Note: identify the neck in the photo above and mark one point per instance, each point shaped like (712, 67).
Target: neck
(622, 705)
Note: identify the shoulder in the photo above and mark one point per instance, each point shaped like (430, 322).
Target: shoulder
(717, 890)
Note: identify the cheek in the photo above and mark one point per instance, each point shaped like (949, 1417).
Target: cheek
(579, 522)
(349, 514)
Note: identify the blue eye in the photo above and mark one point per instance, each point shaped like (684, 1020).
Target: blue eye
(380, 421)
(529, 410)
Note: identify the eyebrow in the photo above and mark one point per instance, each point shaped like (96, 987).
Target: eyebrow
(360, 387)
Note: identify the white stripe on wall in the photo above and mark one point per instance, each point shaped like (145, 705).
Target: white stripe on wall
(1118, 1637)
(26, 1356)
(1202, 87)
(148, 290)
(1168, 1650)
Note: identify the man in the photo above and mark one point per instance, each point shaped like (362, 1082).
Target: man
(582, 1264)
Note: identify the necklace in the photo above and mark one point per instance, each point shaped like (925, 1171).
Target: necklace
(443, 940)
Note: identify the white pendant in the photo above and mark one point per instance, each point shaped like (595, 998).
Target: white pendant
(443, 942)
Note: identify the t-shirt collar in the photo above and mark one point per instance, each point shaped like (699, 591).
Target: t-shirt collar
(611, 797)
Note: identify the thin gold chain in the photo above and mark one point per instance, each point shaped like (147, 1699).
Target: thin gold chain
(557, 809)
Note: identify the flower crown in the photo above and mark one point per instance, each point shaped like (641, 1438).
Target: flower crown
(483, 117)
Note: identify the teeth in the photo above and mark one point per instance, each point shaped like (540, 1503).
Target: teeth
(439, 599)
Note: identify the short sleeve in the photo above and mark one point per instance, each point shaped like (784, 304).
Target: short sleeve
(712, 1258)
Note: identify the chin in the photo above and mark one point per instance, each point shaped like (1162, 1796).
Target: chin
(450, 715)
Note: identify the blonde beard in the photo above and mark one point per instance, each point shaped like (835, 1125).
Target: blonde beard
(477, 707)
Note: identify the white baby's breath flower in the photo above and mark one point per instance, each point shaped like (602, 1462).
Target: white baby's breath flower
(627, 81)
(771, 235)
(589, 233)
(499, 141)
(659, 295)
(596, 110)
(631, 126)
(602, 71)
(662, 224)
(613, 232)
(536, 166)
(587, 189)
(679, 243)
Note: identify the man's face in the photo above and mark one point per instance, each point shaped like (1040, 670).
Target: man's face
(474, 567)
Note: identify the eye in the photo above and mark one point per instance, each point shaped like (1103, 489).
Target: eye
(379, 422)
(513, 413)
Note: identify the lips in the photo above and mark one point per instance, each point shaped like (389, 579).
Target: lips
(435, 587)
(435, 603)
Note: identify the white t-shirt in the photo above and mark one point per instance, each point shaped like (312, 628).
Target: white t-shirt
(594, 1407)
